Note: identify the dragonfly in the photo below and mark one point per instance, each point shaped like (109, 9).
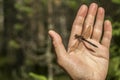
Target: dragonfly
(83, 37)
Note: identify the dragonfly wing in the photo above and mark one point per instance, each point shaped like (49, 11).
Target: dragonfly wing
(87, 33)
(75, 46)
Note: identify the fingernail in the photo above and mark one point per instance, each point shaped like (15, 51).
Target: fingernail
(83, 7)
(93, 6)
(108, 22)
(101, 10)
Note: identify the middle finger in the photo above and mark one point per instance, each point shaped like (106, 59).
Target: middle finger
(89, 22)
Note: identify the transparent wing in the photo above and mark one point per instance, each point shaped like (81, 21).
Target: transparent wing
(75, 46)
(87, 33)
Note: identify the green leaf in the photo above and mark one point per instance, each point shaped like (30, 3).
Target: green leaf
(37, 77)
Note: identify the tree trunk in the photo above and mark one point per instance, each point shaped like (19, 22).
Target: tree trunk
(48, 51)
(1, 23)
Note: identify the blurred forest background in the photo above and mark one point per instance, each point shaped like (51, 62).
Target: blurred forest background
(26, 52)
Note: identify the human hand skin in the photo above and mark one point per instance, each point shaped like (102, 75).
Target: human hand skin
(86, 62)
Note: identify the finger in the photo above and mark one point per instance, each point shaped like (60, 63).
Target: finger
(107, 34)
(90, 17)
(96, 51)
(91, 45)
(78, 23)
(58, 45)
(98, 25)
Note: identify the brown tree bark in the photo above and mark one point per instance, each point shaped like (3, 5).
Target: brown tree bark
(48, 50)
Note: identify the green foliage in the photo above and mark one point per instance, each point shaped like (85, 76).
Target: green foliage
(116, 1)
(18, 27)
(22, 8)
(72, 4)
(13, 44)
(114, 70)
(27, 1)
(86, 1)
(3, 61)
(37, 77)
(116, 31)
(44, 2)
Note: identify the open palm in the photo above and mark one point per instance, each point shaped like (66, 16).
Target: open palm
(82, 60)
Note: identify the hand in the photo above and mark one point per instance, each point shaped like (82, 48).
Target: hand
(86, 62)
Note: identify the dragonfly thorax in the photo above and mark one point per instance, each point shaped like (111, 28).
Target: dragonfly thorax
(79, 37)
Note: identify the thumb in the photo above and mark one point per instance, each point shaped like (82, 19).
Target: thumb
(58, 45)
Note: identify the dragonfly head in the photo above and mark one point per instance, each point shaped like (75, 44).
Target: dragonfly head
(78, 36)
